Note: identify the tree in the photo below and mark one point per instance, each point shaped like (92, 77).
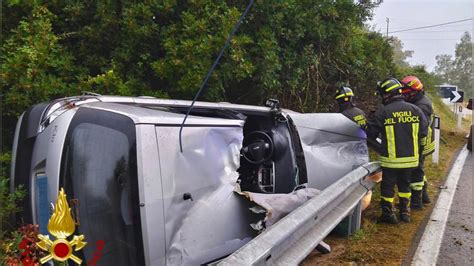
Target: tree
(34, 67)
(463, 63)
(400, 56)
(445, 67)
(458, 71)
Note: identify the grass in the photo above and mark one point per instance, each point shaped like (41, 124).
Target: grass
(390, 244)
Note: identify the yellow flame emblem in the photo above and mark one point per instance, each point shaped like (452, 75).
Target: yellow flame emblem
(61, 225)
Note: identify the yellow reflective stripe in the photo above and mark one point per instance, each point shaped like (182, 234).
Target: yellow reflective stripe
(429, 144)
(344, 95)
(390, 142)
(432, 144)
(399, 165)
(429, 148)
(406, 195)
(387, 199)
(415, 128)
(423, 141)
(360, 119)
(400, 160)
(385, 83)
(430, 134)
(429, 138)
(424, 179)
(417, 185)
(393, 87)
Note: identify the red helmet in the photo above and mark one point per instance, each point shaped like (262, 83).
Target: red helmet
(411, 87)
(412, 82)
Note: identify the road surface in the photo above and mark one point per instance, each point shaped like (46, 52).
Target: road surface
(453, 211)
(457, 247)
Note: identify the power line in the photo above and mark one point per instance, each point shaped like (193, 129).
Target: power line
(439, 39)
(446, 27)
(400, 21)
(456, 26)
(437, 31)
(431, 26)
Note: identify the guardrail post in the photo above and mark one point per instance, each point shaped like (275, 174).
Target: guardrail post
(437, 126)
(351, 223)
(355, 219)
(460, 115)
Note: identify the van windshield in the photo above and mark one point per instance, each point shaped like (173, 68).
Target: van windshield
(100, 177)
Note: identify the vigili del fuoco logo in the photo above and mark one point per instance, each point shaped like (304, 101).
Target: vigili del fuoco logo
(61, 226)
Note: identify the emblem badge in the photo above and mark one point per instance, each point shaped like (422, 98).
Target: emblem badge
(61, 226)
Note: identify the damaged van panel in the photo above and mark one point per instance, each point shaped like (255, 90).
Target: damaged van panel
(333, 146)
(213, 219)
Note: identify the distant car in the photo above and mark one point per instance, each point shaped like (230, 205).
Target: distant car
(444, 91)
(130, 186)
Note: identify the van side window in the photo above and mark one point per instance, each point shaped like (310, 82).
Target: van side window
(100, 174)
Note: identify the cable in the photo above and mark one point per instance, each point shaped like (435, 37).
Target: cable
(204, 82)
(437, 31)
(430, 39)
(431, 26)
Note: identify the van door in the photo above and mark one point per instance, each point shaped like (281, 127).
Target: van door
(204, 219)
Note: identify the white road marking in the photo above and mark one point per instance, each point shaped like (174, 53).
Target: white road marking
(428, 249)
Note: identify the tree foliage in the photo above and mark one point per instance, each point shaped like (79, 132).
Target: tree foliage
(400, 56)
(295, 50)
(458, 70)
(35, 66)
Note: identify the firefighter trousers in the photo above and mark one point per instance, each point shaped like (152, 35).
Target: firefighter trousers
(400, 178)
(418, 178)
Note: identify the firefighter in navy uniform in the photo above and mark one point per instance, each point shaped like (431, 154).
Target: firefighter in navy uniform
(401, 127)
(414, 93)
(346, 107)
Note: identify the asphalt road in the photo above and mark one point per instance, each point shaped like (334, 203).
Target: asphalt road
(457, 247)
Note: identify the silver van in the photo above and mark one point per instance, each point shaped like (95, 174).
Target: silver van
(130, 186)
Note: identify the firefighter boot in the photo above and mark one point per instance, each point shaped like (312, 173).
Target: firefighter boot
(387, 213)
(425, 197)
(416, 200)
(404, 207)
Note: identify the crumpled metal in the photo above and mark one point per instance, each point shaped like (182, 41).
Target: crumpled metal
(275, 206)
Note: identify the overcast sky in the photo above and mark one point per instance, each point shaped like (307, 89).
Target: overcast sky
(426, 43)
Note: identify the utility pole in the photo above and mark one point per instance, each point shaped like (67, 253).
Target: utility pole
(388, 22)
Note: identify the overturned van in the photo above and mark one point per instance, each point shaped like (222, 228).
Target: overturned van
(130, 186)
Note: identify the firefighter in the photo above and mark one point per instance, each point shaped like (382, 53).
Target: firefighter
(346, 107)
(413, 92)
(401, 127)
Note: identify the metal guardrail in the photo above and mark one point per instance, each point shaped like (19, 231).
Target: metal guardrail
(290, 240)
